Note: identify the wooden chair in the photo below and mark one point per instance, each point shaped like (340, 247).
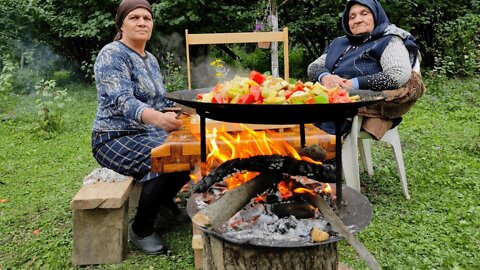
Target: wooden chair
(230, 38)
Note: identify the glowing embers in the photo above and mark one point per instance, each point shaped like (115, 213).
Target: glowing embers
(278, 216)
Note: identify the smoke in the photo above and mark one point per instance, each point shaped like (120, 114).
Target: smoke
(207, 71)
(34, 62)
(203, 73)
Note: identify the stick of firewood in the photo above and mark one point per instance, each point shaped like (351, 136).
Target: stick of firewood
(220, 211)
(268, 164)
(340, 228)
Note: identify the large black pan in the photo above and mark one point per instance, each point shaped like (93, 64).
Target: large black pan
(273, 113)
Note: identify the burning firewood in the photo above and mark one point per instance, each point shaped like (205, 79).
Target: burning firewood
(232, 201)
(268, 163)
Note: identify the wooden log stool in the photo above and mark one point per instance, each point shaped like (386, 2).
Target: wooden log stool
(100, 222)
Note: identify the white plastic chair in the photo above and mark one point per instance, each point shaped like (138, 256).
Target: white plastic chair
(358, 142)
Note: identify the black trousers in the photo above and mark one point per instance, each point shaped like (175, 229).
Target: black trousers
(155, 193)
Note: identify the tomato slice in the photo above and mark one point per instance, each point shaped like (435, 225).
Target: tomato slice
(246, 99)
(256, 92)
(257, 77)
(310, 100)
(219, 99)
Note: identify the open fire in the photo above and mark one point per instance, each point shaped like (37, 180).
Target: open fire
(269, 168)
(278, 214)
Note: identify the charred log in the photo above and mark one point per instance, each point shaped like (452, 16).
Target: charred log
(232, 201)
(268, 164)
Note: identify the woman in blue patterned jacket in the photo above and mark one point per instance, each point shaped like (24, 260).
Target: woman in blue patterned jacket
(373, 54)
(129, 121)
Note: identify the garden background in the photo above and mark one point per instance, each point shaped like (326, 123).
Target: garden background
(47, 104)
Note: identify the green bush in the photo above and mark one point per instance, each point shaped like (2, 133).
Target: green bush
(298, 61)
(6, 78)
(173, 76)
(50, 105)
(458, 51)
(258, 59)
(62, 77)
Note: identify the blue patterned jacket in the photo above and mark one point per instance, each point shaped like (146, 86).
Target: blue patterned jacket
(127, 83)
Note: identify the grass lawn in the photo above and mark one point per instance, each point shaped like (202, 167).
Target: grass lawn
(439, 228)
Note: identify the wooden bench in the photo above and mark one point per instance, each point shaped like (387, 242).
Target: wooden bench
(100, 222)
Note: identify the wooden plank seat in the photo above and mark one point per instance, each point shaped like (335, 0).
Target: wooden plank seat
(100, 222)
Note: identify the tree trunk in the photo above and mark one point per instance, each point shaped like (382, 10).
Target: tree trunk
(219, 254)
(274, 47)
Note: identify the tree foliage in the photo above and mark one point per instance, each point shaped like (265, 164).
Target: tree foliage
(76, 30)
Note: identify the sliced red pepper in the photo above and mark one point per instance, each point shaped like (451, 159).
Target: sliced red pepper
(256, 92)
(342, 92)
(288, 93)
(310, 100)
(218, 99)
(257, 77)
(299, 86)
(246, 99)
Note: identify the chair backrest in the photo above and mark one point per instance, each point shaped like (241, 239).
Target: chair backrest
(243, 37)
(416, 66)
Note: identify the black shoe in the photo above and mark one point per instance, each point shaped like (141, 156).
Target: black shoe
(151, 244)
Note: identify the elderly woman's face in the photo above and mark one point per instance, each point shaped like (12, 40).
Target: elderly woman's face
(137, 26)
(360, 19)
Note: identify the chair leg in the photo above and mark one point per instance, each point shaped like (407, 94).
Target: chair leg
(350, 157)
(350, 163)
(366, 155)
(392, 137)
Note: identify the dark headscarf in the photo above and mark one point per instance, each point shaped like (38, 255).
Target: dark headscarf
(382, 23)
(379, 16)
(124, 8)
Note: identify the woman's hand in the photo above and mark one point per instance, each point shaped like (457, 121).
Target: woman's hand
(331, 81)
(346, 84)
(169, 121)
(165, 120)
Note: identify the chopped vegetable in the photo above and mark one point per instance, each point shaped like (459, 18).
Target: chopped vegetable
(259, 88)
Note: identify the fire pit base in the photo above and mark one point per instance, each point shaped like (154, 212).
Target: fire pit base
(221, 254)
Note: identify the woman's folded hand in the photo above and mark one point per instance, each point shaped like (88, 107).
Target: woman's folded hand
(331, 81)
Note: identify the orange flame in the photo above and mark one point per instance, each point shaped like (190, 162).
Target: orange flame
(327, 188)
(239, 178)
(223, 146)
(284, 190)
(304, 190)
